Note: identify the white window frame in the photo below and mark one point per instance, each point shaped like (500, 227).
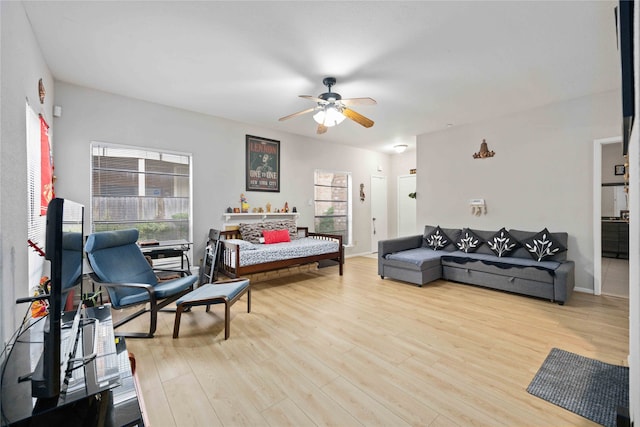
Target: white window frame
(348, 238)
(134, 149)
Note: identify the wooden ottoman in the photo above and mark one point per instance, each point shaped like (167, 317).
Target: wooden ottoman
(226, 293)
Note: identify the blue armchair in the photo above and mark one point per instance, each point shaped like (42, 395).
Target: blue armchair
(120, 267)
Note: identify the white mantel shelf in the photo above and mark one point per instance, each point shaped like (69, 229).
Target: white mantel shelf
(259, 215)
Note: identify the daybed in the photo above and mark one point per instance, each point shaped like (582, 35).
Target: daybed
(529, 263)
(303, 247)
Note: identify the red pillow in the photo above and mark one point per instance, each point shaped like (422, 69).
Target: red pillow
(276, 236)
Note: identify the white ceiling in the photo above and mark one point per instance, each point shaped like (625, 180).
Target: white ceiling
(427, 64)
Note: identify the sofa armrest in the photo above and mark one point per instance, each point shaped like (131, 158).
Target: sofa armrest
(564, 282)
(398, 244)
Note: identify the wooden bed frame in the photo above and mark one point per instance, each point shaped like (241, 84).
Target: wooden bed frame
(229, 250)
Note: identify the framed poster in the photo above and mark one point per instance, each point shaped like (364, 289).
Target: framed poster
(263, 164)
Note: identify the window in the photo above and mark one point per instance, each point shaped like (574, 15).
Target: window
(141, 188)
(332, 193)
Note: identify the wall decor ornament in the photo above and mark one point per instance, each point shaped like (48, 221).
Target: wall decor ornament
(484, 151)
(262, 164)
(362, 196)
(41, 91)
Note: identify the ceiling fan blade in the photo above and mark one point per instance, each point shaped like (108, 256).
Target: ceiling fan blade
(299, 113)
(357, 117)
(321, 129)
(358, 101)
(313, 98)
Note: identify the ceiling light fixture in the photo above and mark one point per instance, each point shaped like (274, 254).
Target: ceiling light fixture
(328, 115)
(400, 148)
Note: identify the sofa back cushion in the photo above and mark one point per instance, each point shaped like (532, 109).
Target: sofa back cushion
(252, 232)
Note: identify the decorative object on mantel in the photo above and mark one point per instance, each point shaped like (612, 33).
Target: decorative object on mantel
(484, 151)
(412, 171)
(286, 207)
(412, 195)
(294, 210)
(41, 91)
(268, 207)
(229, 210)
(362, 192)
(244, 206)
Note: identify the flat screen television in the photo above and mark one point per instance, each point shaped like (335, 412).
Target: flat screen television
(63, 248)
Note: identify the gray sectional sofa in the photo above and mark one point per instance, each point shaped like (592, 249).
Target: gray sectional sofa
(524, 262)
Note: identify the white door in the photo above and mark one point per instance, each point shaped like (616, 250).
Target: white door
(406, 206)
(378, 210)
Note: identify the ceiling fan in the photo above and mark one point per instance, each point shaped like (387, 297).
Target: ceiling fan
(331, 109)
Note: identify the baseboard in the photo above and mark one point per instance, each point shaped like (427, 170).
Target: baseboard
(584, 290)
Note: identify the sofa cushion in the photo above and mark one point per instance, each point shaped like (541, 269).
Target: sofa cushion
(502, 243)
(421, 258)
(543, 246)
(468, 241)
(252, 232)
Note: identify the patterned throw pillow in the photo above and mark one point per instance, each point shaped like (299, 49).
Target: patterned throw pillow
(437, 239)
(543, 246)
(251, 232)
(468, 241)
(502, 243)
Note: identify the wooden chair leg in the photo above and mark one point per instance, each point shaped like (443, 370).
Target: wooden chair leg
(176, 323)
(227, 319)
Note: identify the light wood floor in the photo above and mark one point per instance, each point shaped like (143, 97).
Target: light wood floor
(323, 350)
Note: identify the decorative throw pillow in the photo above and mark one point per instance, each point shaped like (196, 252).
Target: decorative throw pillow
(468, 241)
(543, 246)
(437, 239)
(276, 236)
(502, 243)
(251, 232)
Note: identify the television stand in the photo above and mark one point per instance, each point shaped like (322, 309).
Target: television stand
(91, 401)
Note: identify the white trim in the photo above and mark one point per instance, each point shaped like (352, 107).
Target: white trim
(597, 210)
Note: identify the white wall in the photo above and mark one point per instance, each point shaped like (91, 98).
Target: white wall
(540, 176)
(218, 148)
(22, 65)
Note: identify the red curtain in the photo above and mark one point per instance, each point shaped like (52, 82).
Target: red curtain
(46, 168)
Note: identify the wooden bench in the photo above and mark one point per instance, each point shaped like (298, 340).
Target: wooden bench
(226, 293)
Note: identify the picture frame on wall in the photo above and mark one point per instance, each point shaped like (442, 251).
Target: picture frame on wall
(262, 164)
(619, 170)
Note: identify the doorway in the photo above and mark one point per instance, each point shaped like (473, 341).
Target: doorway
(610, 272)
(378, 210)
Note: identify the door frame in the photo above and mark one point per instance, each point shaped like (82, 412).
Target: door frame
(374, 248)
(597, 210)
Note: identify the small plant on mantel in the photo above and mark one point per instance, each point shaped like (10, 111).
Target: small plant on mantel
(412, 195)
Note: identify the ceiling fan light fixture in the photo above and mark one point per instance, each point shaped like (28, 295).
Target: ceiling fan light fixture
(400, 148)
(329, 116)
